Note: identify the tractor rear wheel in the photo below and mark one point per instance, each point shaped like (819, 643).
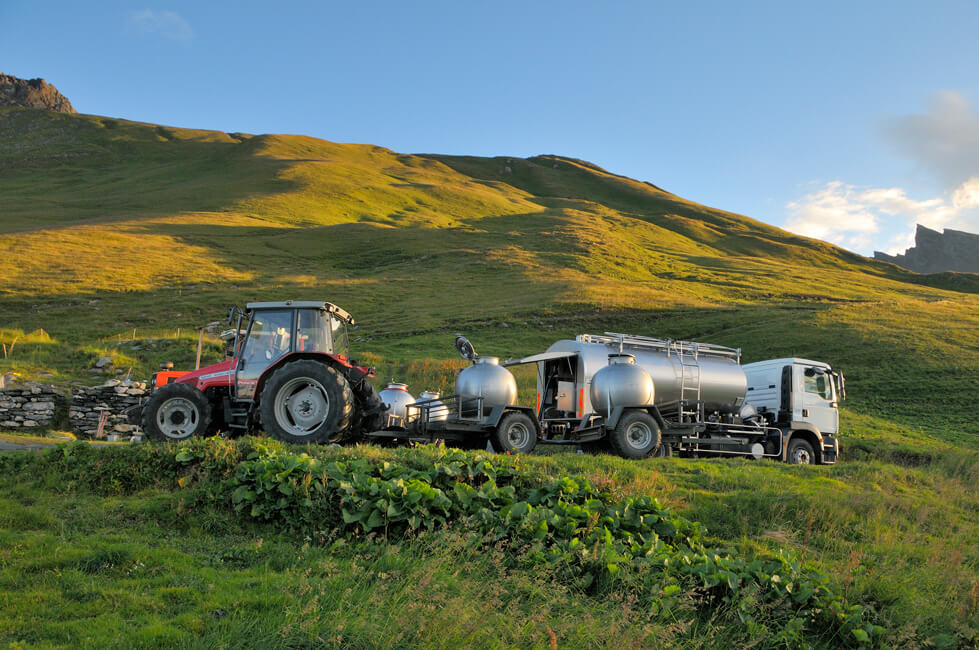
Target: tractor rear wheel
(636, 435)
(176, 412)
(307, 401)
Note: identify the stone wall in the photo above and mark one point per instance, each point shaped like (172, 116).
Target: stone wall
(28, 407)
(115, 397)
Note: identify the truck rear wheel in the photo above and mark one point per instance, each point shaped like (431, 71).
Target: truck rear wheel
(636, 435)
(176, 412)
(307, 401)
(516, 434)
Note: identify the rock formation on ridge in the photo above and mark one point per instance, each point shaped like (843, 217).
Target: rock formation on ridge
(32, 93)
(936, 252)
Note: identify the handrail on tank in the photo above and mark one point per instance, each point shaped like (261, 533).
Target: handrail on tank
(665, 345)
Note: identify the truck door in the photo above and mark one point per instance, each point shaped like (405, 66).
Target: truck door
(816, 402)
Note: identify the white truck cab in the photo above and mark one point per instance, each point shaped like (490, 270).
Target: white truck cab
(802, 396)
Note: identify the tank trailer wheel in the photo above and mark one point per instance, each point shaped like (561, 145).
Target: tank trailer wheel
(516, 434)
(636, 435)
(176, 412)
(306, 401)
(800, 453)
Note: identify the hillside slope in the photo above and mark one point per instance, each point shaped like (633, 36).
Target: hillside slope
(153, 228)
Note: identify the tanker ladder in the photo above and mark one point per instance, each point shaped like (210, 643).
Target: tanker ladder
(691, 407)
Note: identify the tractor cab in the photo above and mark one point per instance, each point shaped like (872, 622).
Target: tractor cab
(269, 331)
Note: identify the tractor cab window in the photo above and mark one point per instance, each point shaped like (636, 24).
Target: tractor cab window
(269, 338)
(341, 345)
(820, 385)
(312, 331)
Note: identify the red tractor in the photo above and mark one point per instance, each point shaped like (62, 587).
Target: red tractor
(288, 372)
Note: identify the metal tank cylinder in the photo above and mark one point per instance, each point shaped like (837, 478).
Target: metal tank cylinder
(397, 397)
(722, 380)
(437, 411)
(620, 383)
(486, 378)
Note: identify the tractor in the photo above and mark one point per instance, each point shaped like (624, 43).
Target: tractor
(287, 370)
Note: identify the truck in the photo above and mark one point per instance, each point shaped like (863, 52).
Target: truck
(642, 396)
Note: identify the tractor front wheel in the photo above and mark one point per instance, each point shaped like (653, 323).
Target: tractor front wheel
(176, 412)
(307, 401)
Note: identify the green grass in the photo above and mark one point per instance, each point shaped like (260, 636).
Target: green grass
(106, 549)
(118, 238)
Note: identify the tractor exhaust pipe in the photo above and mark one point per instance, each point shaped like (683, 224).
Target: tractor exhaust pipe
(200, 343)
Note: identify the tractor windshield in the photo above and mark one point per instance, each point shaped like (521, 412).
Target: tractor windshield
(269, 337)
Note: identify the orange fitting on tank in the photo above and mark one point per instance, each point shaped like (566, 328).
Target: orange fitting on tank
(581, 402)
(538, 402)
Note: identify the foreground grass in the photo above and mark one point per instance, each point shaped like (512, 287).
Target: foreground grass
(85, 561)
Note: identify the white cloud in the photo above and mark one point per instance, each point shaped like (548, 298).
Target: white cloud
(944, 144)
(855, 217)
(166, 23)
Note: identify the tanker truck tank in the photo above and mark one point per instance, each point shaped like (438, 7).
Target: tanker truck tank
(620, 383)
(670, 364)
(487, 379)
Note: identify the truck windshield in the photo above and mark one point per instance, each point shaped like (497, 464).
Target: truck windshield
(340, 343)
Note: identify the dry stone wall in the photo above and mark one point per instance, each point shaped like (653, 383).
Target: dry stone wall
(28, 407)
(114, 398)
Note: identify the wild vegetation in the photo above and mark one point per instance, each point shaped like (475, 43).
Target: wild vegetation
(118, 238)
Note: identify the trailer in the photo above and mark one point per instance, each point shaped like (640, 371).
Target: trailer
(641, 396)
(482, 411)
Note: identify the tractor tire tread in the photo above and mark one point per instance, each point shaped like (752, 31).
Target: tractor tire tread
(331, 379)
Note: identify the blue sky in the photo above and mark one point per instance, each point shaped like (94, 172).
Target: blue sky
(840, 120)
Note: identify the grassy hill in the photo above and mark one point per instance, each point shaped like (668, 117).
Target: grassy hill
(114, 235)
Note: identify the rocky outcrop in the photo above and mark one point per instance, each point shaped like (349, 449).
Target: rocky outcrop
(28, 407)
(32, 93)
(935, 252)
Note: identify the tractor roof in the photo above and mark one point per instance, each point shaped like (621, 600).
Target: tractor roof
(302, 304)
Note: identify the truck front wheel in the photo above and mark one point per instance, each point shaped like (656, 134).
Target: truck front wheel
(636, 435)
(800, 453)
